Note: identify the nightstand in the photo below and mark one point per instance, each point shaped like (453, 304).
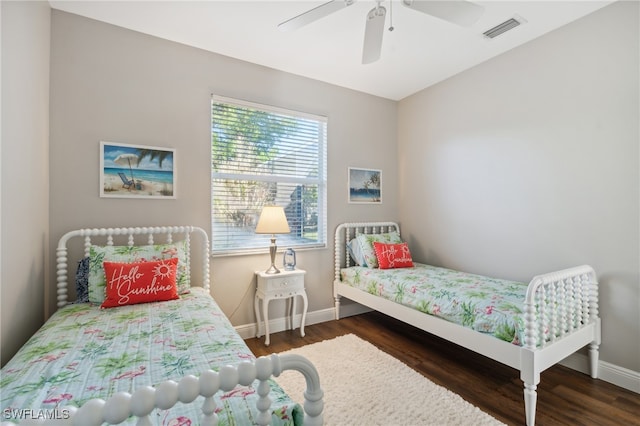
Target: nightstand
(285, 285)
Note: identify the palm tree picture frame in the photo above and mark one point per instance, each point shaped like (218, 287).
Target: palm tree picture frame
(137, 171)
(365, 186)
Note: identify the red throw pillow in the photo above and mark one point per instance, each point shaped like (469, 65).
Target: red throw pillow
(140, 282)
(393, 255)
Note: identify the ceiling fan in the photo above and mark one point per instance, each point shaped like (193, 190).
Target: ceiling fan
(459, 12)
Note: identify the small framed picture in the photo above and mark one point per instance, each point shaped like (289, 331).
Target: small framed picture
(365, 186)
(137, 171)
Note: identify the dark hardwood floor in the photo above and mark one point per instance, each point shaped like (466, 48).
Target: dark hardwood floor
(565, 397)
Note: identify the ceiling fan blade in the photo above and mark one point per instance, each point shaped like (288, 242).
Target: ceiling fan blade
(373, 35)
(460, 12)
(314, 14)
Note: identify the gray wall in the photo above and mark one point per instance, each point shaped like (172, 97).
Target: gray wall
(24, 171)
(528, 163)
(112, 84)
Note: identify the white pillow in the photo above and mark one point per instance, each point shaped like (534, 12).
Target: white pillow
(356, 253)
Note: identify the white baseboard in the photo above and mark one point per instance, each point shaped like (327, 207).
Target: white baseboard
(276, 325)
(611, 373)
(351, 309)
(607, 372)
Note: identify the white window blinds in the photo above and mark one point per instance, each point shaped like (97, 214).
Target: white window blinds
(261, 155)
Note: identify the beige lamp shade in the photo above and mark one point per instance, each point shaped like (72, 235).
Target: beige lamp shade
(272, 221)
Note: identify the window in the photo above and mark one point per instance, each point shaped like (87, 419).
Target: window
(260, 156)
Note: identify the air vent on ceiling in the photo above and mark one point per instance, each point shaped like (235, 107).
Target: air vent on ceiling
(502, 28)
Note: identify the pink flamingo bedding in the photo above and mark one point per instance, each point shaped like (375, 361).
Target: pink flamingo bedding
(85, 352)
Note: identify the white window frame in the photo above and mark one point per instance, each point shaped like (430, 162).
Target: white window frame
(258, 242)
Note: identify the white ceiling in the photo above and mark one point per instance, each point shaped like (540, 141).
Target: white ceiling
(420, 51)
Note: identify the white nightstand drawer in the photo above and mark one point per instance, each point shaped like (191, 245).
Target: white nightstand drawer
(285, 283)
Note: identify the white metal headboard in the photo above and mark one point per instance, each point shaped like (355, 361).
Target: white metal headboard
(346, 231)
(106, 235)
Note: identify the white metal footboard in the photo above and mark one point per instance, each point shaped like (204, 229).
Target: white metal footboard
(559, 303)
(144, 400)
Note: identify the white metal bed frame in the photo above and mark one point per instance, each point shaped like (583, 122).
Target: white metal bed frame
(145, 399)
(574, 321)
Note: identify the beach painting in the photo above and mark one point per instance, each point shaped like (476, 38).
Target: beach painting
(365, 186)
(137, 171)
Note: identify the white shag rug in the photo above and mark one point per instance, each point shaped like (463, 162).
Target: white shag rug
(359, 391)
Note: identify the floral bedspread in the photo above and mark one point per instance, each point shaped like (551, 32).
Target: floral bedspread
(484, 304)
(85, 352)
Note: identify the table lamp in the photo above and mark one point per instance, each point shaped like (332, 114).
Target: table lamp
(272, 221)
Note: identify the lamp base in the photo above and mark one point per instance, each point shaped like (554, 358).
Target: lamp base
(272, 253)
(272, 270)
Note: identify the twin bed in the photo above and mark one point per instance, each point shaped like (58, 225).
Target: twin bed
(529, 327)
(174, 360)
